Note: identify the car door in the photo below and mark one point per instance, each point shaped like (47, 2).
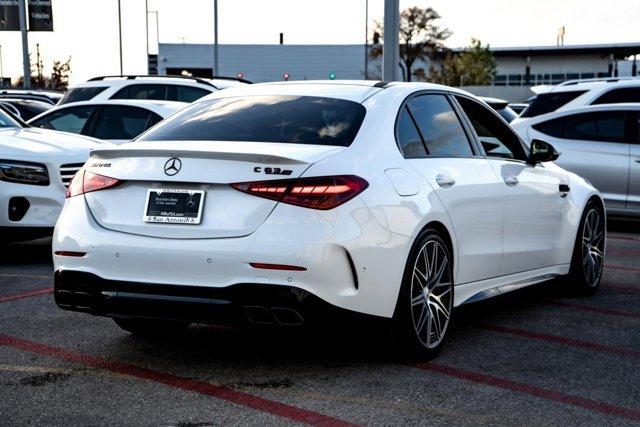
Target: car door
(633, 198)
(533, 202)
(71, 119)
(593, 146)
(122, 123)
(440, 148)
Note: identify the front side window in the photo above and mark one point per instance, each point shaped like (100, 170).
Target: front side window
(497, 139)
(439, 126)
(266, 118)
(71, 119)
(81, 94)
(548, 102)
(122, 122)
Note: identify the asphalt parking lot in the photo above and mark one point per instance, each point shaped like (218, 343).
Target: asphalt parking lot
(536, 356)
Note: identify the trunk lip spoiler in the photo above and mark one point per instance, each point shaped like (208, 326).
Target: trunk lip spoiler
(213, 154)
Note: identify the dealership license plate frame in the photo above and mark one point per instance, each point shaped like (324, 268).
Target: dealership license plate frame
(174, 219)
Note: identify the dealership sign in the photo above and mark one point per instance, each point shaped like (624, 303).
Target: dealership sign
(40, 15)
(9, 16)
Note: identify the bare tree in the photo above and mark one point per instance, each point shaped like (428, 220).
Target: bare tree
(420, 39)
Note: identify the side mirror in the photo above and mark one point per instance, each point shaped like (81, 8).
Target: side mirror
(542, 151)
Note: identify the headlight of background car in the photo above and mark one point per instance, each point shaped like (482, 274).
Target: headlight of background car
(23, 172)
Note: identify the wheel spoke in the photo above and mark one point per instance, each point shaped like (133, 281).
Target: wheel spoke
(424, 314)
(420, 278)
(437, 303)
(417, 300)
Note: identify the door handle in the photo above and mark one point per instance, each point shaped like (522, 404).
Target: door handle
(511, 180)
(445, 181)
(637, 160)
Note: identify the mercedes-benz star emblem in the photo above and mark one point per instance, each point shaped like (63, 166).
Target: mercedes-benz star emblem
(190, 202)
(172, 166)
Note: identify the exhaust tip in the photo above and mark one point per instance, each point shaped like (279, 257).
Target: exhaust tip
(258, 314)
(287, 316)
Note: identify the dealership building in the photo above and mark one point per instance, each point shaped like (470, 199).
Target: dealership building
(518, 68)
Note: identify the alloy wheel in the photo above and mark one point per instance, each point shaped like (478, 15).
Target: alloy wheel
(431, 294)
(593, 246)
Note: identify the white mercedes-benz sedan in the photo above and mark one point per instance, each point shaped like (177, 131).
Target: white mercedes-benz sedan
(278, 203)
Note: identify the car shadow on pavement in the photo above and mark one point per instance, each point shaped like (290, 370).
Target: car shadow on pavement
(27, 253)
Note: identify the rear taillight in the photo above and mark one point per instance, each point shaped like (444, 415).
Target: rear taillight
(86, 182)
(322, 192)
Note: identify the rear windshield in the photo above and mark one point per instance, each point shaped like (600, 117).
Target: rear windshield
(548, 102)
(292, 119)
(81, 94)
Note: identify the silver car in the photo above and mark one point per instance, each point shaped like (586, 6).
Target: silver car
(599, 142)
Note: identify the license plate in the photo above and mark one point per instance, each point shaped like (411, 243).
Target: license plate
(174, 206)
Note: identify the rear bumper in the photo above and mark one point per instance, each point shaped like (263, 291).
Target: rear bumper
(349, 260)
(242, 303)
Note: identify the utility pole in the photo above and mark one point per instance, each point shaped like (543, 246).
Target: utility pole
(366, 39)
(391, 48)
(22, 11)
(215, 38)
(120, 34)
(2, 70)
(146, 26)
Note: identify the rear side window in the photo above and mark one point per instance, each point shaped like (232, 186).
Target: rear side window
(439, 126)
(617, 96)
(72, 119)
(599, 126)
(409, 139)
(121, 122)
(548, 102)
(189, 93)
(143, 91)
(81, 94)
(289, 119)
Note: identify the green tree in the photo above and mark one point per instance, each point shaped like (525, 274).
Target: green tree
(420, 38)
(475, 65)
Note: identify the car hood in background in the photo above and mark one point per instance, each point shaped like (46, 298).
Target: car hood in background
(43, 142)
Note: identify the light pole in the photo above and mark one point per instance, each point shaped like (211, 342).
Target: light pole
(390, 52)
(366, 39)
(22, 11)
(1, 69)
(120, 34)
(146, 26)
(215, 38)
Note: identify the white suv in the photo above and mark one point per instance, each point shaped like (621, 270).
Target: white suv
(580, 93)
(161, 88)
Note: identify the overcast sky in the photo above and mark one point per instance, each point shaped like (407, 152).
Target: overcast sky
(88, 29)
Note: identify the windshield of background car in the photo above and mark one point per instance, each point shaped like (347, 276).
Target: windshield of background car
(265, 118)
(548, 102)
(7, 122)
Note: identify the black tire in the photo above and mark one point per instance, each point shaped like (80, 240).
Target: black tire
(151, 327)
(426, 341)
(588, 251)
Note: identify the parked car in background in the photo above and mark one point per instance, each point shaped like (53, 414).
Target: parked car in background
(600, 143)
(579, 93)
(283, 201)
(36, 166)
(26, 109)
(162, 88)
(502, 107)
(518, 107)
(50, 97)
(117, 121)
